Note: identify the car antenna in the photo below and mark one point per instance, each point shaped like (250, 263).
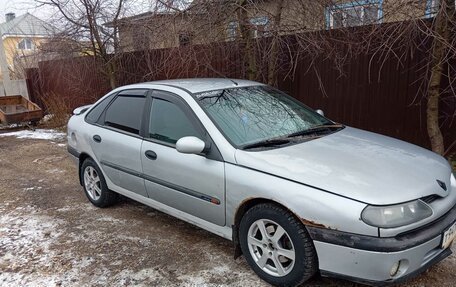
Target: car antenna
(220, 74)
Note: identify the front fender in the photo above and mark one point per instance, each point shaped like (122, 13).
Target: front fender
(314, 207)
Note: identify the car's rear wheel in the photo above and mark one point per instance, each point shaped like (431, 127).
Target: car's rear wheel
(95, 186)
(277, 246)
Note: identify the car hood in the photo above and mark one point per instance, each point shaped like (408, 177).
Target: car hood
(361, 165)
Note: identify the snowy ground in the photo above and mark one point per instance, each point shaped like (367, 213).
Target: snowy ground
(51, 236)
(43, 134)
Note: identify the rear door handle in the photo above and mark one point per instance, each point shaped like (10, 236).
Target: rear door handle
(96, 138)
(151, 155)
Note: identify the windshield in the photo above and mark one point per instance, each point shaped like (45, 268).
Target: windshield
(254, 114)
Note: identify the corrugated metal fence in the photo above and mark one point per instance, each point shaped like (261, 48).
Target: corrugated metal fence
(372, 94)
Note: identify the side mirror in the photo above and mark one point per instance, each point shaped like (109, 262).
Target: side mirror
(320, 112)
(191, 145)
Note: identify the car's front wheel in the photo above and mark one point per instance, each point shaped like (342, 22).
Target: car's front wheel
(95, 186)
(277, 246)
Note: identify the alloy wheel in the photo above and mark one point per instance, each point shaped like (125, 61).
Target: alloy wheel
(271, 247)
(92, 183)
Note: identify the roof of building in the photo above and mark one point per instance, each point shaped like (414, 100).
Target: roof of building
(27, 25)
(195, 7)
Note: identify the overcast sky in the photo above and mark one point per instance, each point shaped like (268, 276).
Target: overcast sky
(44, 13)
(21, 7)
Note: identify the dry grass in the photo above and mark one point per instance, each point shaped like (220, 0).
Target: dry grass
(57, 110)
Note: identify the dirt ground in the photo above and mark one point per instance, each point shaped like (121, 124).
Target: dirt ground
(50, 235)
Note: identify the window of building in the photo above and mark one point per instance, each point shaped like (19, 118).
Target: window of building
(185, 38)
(125, 113)
(355, 13)
(432, 7)
(260, 26)
(25, 44)
(232, 30)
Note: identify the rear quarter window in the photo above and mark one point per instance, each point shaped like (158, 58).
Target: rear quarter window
(94, 114)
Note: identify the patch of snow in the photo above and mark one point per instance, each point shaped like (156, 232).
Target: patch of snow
(10, 126)
(44, 134)
(110, 219)
(54, 170)
(47, 117)
(32, 188)
(48, 159)
(25, 238)
(80, 206)
(144, 277)
(201, 278)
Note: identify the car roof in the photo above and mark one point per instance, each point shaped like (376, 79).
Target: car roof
(198, 85)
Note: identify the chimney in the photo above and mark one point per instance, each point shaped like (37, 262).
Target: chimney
(10, 16)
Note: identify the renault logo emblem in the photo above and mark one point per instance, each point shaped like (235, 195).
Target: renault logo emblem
(442, 184)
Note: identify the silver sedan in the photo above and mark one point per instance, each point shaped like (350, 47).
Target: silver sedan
(296, 192)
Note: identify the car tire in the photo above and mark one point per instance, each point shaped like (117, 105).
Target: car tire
(95, 186)
(300, 262)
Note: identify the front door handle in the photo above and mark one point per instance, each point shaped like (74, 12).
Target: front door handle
(151, 155)
(96, 138)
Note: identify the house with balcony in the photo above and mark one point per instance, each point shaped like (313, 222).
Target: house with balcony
(206, 21)
(21, 37)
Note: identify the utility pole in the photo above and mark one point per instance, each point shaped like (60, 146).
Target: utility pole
(4, 69)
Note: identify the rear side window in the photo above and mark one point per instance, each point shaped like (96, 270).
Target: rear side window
(93, 116)
(125, 113)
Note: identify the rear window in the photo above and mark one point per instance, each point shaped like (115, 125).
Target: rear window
(125, 113)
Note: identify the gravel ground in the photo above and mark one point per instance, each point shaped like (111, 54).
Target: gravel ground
(50, 235)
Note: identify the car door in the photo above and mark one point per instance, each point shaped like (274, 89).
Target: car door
(193, 183)
(117, 141)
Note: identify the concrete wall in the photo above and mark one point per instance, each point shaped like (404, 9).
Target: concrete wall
(18, 87)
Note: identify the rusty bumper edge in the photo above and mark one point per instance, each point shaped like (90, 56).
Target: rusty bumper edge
(385, 244)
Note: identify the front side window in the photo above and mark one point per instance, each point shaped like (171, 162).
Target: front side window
(253, 114)
(25, 44)
(168, 122)
(125, 113)
(353, 14)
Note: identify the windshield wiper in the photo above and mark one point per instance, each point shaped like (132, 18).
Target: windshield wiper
(266, 143)
(316, 130)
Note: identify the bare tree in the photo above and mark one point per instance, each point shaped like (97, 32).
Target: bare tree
(82, 21)
(271, 38)
(443, 50)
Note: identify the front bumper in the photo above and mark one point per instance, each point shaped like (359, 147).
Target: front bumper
(369, 260)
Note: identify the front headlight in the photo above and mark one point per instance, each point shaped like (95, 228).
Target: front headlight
(396, 215)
